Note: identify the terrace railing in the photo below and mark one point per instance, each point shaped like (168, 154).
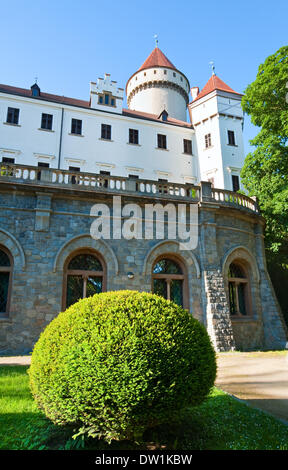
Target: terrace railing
(82, 181)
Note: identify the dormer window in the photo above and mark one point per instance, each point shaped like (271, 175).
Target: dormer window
(35, 90)
(163, 115)
(106, 99)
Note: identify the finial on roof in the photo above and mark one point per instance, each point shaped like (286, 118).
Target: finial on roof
(156, 39)
(36, 78)
(212, 66)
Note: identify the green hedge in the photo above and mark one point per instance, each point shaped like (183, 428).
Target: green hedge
(120, 362)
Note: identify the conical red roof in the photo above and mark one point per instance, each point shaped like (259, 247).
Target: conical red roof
(214, 83)
(157, 59)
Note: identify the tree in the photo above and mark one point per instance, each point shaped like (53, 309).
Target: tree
(265, 172)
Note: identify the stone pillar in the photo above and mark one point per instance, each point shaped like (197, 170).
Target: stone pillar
(218, 321)
(43, 210)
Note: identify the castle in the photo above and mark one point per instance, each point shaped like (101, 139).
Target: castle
(60, 156)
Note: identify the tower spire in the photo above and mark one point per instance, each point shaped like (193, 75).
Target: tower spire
(212, 64)
(156, 40)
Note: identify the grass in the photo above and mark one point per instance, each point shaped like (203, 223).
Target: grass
(220, 423)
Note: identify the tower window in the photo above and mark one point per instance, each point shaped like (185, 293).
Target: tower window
(208, 141)
(13, 115)
(106, 99)
(187, 146)
(76, 126)
(235, 183)
(231, 138)
(133, 136)
(162, 141)
(106, 131)
(238, 286)
(46, 121)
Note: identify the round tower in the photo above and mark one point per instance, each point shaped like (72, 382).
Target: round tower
(158, 86)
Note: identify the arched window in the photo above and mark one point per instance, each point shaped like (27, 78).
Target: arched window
(84, 276)
(169, 280)
(6, 265)
(238, 283)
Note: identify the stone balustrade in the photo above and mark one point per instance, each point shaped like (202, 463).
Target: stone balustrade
(53, 177)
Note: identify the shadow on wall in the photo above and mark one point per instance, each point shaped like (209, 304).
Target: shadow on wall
(279, 278)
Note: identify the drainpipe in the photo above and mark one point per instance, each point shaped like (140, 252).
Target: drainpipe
(60, 142)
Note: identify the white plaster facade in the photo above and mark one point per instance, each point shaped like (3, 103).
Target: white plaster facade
(216, 113)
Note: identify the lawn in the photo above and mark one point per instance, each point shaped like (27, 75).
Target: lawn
(221, 422)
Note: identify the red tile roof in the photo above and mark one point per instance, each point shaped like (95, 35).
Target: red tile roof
(214, 83)
(155, 117)
(85, 104)
(44, 96)
(157, 59)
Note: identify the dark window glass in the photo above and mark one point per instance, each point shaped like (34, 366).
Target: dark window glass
(160, 287)
(207, 141)
(167, 266)
(8, 160)
(85, 262)
(5, 268)
(76, 126)
(236, 271)
(235, 183)
(46, 121)
(162, 141)
(168, 279)
(106, 131)
(100, 99)
(4, 259)
(238, 283)
(104, 182)
(187, 146)
(106, 99)
(231, 138)
(94, 285)
(41, 165)
(13, 115)
(176, 291)
(81, 282)
(112, 102)
(73, 177)
(133, 136)
(74, 289)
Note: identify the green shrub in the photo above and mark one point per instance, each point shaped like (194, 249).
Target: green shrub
(120, 362)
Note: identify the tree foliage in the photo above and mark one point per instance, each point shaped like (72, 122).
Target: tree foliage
(117, 363)
(265, 172)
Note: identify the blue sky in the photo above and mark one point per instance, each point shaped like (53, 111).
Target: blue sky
(67, 44)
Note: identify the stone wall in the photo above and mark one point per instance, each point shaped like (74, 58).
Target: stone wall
(42, 228)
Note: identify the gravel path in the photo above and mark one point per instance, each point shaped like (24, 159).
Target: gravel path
(15, 361)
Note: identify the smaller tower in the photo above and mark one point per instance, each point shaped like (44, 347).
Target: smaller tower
(105, 95)
(158, 86)
(217, 118)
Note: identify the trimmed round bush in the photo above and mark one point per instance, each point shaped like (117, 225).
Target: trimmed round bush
(120, 362)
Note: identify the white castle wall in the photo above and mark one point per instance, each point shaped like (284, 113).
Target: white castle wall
(29, 145)
(217, 113)
(155, 99)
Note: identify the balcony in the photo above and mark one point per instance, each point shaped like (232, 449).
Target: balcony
(54, 178)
